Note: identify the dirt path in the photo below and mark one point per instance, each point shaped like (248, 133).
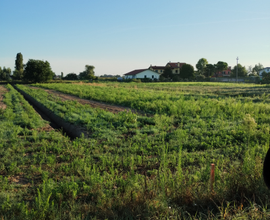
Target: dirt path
(93, 104)
(3, 90)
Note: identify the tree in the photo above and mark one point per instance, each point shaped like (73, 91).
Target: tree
(187, 71)
(220, 66)
(5, 73)
(71, 76)
(38, 71)
(62, 75)
(167, 73)
(256, 69)
(250, 71)
(201, 65)
(209, 70)
(265, 77)
(18, 73)
(88, 73)
(241, 71)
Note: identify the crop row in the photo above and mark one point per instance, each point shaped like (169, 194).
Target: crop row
(173, 103)
(132, 165)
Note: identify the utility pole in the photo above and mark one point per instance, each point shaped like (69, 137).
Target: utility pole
(237, 70)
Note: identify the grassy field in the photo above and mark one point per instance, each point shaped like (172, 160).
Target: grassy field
(152, 165)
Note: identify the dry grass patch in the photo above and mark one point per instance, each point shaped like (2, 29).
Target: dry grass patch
(20, 180)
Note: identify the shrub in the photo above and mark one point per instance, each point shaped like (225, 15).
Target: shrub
(200, 78)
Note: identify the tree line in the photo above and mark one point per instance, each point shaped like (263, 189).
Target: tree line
(87, 74)
(206, 70)
(39, 71)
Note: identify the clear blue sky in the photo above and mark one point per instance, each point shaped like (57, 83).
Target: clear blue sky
(122, 35)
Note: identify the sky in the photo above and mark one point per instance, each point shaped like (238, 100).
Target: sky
(122, 35)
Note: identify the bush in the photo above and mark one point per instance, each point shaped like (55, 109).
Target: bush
(38, 71)
(136, 80)
(176, 78)
(200, 78)
(164, 79)
(266, 79)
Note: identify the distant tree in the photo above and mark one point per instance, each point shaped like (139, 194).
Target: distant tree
(256, 69)
(5, 73)
(264, 74)
(18, 73)
(209, 70)
(167, 73)
(71, 76)
(241, 71)
(38, 71)
(220, 66)
(88, 73)
(265, 78)
(250, 71)
(187, 71)
(201, 65)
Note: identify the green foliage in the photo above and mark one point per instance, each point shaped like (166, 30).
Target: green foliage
(241, 71)
(136, 80)
(256, 69)
(38, 71)
(5, 73)
(71, 76)
(18, 73)
(88, 73)
(201, 65)
(266, 78)
(167, 73)
(187, 72)
(220, 66)
(209, 70)
(1, 73)
(137, 166)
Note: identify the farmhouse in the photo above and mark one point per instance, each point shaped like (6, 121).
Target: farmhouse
(175, 67)
(157, 69)
(223, 73)
(142, 74)
(266, 70)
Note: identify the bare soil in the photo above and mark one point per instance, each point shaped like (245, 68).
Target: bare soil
(93, 104)
(19, 179)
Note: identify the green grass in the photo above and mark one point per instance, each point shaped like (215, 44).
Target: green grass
(137, 167)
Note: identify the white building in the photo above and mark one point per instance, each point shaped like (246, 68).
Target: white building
(266, 69)
(142, 74)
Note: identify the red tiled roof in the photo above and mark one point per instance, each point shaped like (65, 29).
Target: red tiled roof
(157, 67)
(134, 72)
(175, 65)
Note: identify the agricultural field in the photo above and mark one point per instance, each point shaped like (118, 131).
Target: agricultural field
(145, 153)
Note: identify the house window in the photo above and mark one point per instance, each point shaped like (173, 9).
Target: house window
(176, 71)
(145, 76)
(153, 77)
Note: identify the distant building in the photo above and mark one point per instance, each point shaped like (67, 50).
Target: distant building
(266, 70)
(142, 74)
(119, 79)
(224, 73)
(175, 67)
(157, 69)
